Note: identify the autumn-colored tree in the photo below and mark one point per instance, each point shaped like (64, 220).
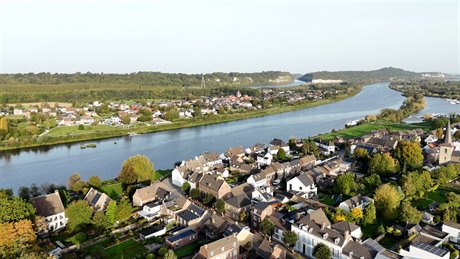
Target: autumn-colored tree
(339, 217)
(387, 200)
(357, 214)
(15, 237)
(40, 224)
(361, 154)
(4, 125)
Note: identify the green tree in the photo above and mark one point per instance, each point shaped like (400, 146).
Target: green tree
(409, 213)
(81, 127)
(209, 199)
(126, 119)
(172, 114)
(409, 155)
(186, 187)
(361, 155)
(220, 206)
(416, 183)
(290, 238)
(101, 221)
(346, 184)
(310, 148)
(322, 251)
(267, 227)
(138, 165)
(79, 214)
(124, 210)
(111, 212)
(372, 181)
(383, 165)
(95, 181)
(15, 209)
(281, 155)
(75, 177)
(387, 200)
(195, 194)
(170, 255)
(370, 214)
(197, 112)
(162, 251)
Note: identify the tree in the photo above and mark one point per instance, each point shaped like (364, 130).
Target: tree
(124, 210)
(197, 112)
(81, 127)
(75, 177)
(372, 181)
(138, 166)
(126, 119)
(40, 224)
(416, 183)
(209, 199)
(387, 200)
(170, 255)
(95, 181)
(186, 187)
(15, 209)
(383, 165)
(100, 220)
(281, 155)
(172, 114)
(339, 217)
(321, 251)
(290, 238)
(267, 227)
(346, 184)
(79, 214)
(162, 251)
(243, 216)
(195, 194)
(310, 148)
(361, 155)
(4, 126)
(370, 214)
(409, 213)
(357, 214)
(24, 192)
(409, 155)
(15, 238)
(220, 206)
(111, 212)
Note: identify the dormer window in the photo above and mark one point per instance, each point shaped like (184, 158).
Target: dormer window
(325, 236)
(350, 254)
(336, 241)
(222, 249)
(310, 230)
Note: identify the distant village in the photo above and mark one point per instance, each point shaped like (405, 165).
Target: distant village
(120, 114)
(274, 201)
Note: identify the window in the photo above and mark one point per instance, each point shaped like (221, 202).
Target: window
(290, 186)
(300, 187)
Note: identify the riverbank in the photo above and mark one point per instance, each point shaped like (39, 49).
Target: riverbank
(98, 133)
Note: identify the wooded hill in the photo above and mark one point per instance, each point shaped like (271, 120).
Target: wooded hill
(383, 74)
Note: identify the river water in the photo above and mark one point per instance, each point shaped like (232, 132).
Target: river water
(55, 164)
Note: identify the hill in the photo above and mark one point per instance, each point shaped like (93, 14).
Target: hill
(383, 74)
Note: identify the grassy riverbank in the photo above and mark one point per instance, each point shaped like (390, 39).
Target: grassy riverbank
(64, 135)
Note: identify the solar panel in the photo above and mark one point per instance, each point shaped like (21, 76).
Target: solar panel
(429, 248)
(95, 199)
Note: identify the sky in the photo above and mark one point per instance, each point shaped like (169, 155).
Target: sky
(115, 36)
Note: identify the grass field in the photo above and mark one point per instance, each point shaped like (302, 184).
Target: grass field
(114, 191)
(159, 174)
(363, 129)
(73, 130)
(127, 249)
(434, 196)
(187, 250)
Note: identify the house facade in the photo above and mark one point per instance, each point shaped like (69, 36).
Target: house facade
(51, 208)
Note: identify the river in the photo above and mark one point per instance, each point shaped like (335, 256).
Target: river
(55, 164)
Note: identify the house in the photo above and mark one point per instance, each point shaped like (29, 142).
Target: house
(51, 208)
(315, 228)
(307, 162)
(281, 226)
(235, 205)
(211, 159)
(268, 251)
(431, 139)
(304, 184)
(151, 210)
(235, 151)
(424, 245)
(453, 229)
(264, 158)
(427, 218)
(153, 231)
(356, 201)
(98, 200)
(326, 147)
(227, 247)
(262, 179)
(275, 146)
(259, 212)
(215, 226)
(347, 227)
(145, 195)
(181, 239)
(210, 184)
(192, 215)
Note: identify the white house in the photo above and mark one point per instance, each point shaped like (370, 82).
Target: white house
(357, 201)
(431, 139)
(51, 208)
(276, 144)
(453, 229)
(304, 184)
(424, 250)
(264, 158)
(152, 210)
(178, 175)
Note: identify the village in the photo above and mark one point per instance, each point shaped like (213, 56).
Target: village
(380, 195)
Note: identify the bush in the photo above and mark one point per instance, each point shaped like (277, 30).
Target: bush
(78, 238)
(81, 127)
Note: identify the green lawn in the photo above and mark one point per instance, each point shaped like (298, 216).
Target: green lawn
(114, 191)
(73, 130)
(98, 247)
(159, 174)
(363, 129)
(127, 249)
(434, 196)
(327, 199)
(187, 250)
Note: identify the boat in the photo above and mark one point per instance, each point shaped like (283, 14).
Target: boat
(132, 134)
(92, 145)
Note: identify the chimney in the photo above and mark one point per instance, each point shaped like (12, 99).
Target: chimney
(347, 235)
(323, 226)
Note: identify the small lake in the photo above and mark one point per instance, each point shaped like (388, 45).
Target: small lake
(55, 164)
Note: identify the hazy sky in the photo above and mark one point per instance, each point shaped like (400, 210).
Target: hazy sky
(245, 36)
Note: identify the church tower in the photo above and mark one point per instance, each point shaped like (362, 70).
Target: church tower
(446, 149)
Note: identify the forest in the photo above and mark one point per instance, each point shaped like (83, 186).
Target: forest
(434, 88)
(45, 87)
